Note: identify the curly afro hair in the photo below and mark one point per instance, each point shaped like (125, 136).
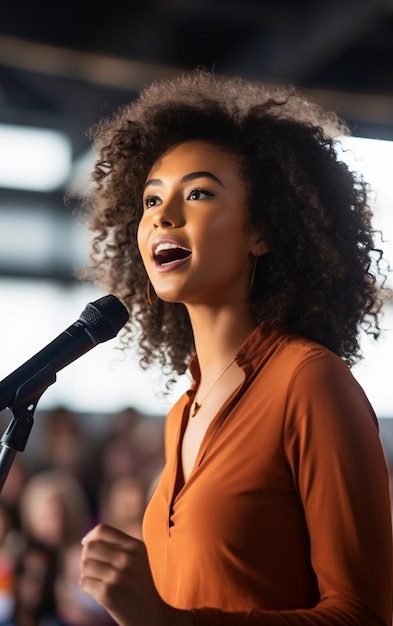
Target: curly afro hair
(320, 278)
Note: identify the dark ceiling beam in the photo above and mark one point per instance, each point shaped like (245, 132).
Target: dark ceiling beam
(303, 38)
(91, 68)
(244, 13)
(113, 73)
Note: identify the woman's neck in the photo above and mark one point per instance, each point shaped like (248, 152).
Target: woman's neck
(218, 334)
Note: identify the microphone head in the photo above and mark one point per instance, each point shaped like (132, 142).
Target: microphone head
(105, 316)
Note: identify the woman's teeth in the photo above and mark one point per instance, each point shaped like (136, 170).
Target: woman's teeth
(169, 252)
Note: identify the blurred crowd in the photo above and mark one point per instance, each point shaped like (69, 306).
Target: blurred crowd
(73, 476)
(75, 473)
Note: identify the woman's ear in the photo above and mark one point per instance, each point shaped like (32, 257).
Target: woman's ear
(260, 245)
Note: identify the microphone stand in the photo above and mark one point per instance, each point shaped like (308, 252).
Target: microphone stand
(22, 409)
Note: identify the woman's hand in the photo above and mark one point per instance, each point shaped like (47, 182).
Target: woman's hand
(115, 571)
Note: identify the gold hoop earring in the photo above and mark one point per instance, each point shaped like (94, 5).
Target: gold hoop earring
(152, 297)
(254, 269)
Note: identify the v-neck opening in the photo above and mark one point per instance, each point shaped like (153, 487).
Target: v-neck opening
(243, 359)
(180, 482)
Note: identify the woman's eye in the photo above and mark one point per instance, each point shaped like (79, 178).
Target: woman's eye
(199, 194)
(150, 201)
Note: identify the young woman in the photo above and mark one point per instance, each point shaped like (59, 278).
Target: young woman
(244, 251)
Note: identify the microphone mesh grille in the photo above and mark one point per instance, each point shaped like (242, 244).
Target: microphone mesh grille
(106, 316)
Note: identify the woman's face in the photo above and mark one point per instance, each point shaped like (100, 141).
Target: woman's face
(192, 235)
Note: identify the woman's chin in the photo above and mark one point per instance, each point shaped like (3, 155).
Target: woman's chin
(169, 296)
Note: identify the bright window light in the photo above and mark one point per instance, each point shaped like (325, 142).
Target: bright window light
(29, 239)
(373, 158)
(34, 159)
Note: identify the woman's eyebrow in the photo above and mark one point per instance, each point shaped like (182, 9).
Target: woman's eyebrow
(153, 181)
(186, 178)
(193, 175)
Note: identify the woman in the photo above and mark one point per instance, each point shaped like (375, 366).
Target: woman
(258, 253)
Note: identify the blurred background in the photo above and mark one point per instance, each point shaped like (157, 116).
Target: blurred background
(64, 65)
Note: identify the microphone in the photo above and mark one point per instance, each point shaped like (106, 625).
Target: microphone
(99, 321)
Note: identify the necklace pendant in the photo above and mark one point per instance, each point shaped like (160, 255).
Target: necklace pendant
(195, 409)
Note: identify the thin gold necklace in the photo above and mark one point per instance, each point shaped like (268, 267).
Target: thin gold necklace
(197, 405)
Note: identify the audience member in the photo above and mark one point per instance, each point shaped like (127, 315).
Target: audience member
(54, 508)
(122, 505)
(34, 601)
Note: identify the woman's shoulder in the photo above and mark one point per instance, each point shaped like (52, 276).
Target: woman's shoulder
(320, 384)
(312, 367)
(295, 366)
(290, 353)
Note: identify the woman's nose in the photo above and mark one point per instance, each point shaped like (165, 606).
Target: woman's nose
(163, 220)
(169, 214)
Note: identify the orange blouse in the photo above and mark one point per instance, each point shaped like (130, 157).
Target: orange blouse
(285, 518)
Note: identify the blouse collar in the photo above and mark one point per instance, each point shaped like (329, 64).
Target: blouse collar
(249, 352)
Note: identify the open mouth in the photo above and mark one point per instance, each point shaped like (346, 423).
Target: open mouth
(166, 253)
